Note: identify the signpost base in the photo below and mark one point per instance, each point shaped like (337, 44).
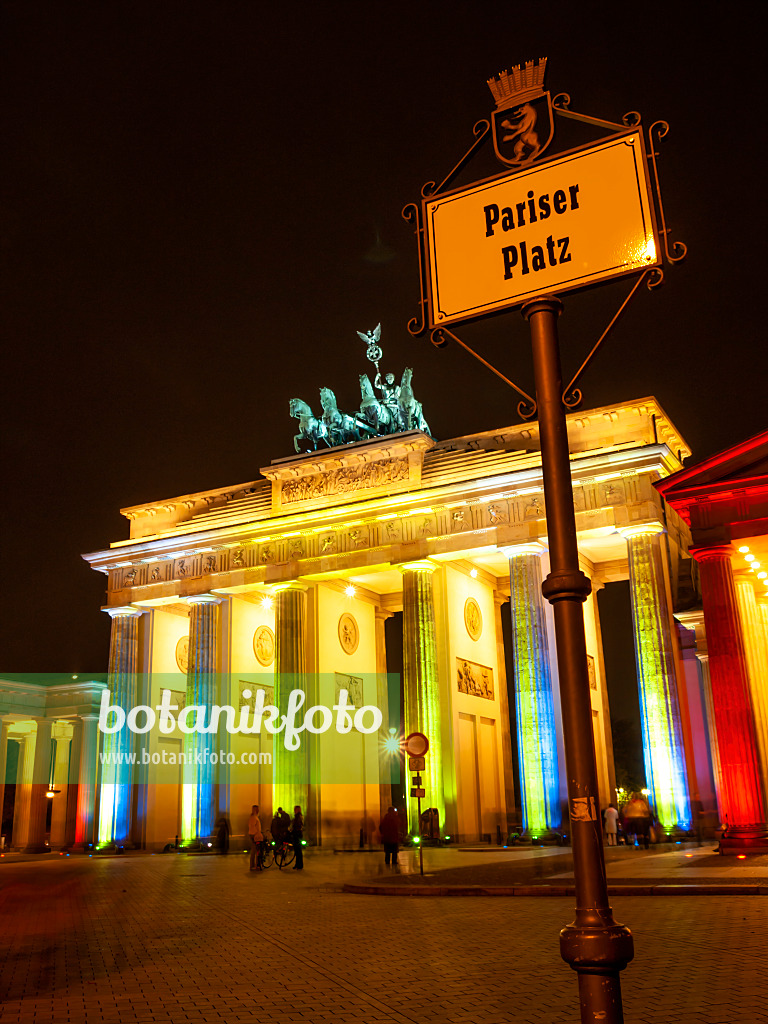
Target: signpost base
(593, 945)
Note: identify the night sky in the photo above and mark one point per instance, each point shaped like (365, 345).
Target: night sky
(201, 207)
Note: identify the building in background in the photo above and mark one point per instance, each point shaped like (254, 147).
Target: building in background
(299, 580)
(724, 501)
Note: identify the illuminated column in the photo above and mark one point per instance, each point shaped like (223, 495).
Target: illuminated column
(506, 728)
(24, 780)
(741, 794)
(663, 750)
(87, 772)
(536, 735)
(290, 767)
(387, 757)
(62, 733)
(198, 797)
(117, 776)
(4, 728)
(757, 668)
(421, 681)
(38, 803)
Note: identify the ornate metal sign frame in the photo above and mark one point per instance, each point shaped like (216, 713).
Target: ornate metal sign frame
(516, 93)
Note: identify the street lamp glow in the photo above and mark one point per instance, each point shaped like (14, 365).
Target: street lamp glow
(266, 603)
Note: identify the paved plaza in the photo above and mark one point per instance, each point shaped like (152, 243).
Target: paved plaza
(177, 938)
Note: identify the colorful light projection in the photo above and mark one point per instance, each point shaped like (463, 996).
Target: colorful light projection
(290, 767)
(741, 789)
(117, 778)
(536, 736)
(421, 682)
(197, 801)
(663, 751)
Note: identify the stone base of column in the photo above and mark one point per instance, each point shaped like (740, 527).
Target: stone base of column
(80, 848)
(546, 837)
(745, 839)
(35, 848)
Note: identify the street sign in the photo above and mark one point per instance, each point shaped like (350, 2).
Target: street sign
(417, 764)
(582, 218)
(416, 744)
(416, 780)
(420, 793)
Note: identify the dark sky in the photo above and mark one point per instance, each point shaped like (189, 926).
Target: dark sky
(192, 196)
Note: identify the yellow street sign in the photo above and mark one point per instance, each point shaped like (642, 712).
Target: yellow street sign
(582, 218)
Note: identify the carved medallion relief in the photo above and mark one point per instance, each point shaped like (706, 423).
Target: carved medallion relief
(264, 645)
(473, 618)
(349, 634)
(182, 654)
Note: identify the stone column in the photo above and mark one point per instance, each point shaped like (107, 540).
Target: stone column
(663, 749)
(506, 728)
(62, 733)
(290, 767)
(117, 777)
(38, 803)
(598, 585)
(536, 734)
(386, 757)
(421, 682)
(87, 773)
(198, 796)
(742, 804)
(24, 782)
(694, 620)
(757, 662)
(4, 727)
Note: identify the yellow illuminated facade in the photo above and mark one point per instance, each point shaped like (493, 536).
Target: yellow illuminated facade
(301, 579)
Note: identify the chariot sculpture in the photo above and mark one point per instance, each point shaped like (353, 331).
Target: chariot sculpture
(385, 408)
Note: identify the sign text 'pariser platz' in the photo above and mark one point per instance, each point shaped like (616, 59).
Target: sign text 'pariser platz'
(582, 218)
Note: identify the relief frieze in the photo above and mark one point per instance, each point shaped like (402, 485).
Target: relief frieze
(345, 480)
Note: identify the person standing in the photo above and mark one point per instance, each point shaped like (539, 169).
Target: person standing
(222, 835)
(280, 826)
(389, 827)
(611, 817)
(255, 835)
(297, 835)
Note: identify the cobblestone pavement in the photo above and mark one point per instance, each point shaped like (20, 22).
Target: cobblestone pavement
(193, 939)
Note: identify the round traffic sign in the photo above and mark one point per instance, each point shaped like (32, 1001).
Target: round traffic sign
(416, 744)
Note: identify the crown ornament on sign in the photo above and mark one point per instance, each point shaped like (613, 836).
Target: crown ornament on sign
(519, 85)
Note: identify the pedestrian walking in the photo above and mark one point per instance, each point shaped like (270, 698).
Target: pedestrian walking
(389, 828)
(638, 818)
(255, 835)
(297, 835)
(222, 835)
(611, 818)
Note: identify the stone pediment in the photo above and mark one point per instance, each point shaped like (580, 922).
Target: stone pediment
(744, 465)
(366, 469)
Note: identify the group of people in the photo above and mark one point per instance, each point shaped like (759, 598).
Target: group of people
(636, 820)
(284, 829)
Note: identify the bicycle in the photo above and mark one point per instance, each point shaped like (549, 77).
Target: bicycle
(284, 853)
(266, 854)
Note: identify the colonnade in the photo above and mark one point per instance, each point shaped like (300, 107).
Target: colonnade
(738, 698)
(740, 744)
(56, 773)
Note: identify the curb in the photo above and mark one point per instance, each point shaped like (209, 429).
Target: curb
(663, 889)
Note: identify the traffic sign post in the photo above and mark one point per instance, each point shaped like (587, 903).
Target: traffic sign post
(416, 746)
(519, 239)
